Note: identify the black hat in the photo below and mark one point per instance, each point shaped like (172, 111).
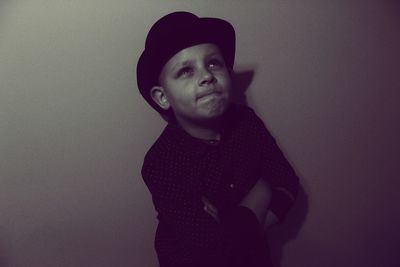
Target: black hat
(171, 34)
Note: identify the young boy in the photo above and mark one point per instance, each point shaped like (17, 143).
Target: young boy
(216, 175)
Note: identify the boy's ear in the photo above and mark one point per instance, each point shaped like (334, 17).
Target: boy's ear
(158, 95)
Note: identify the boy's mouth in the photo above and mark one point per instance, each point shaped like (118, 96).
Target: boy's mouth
(209, 94)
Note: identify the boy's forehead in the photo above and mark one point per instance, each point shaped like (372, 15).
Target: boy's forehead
(186, 55)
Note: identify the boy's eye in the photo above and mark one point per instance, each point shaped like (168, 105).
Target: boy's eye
(216, 63)
(186, 71)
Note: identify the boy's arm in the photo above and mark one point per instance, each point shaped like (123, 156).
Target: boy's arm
(257, 200)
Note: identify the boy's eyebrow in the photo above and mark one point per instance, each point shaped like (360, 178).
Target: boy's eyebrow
(214, 53)
(189, 62)
(181, 64)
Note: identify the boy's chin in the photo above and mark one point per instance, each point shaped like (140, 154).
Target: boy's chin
(213, 113)
(205, 114)
(214, 108)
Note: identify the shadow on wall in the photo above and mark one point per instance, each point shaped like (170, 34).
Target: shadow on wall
(240, 83)
(279, 235)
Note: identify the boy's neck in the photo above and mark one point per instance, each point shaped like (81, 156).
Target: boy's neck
(208, 130)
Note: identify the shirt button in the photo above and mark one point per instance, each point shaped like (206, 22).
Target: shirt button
(232, 186)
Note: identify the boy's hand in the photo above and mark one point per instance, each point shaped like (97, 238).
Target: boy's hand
(210, 208)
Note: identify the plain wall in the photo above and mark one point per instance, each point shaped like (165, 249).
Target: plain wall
(74, 129)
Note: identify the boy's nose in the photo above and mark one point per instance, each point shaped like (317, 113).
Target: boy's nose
(206, 77)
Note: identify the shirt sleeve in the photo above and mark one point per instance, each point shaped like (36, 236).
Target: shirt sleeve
(278, 172)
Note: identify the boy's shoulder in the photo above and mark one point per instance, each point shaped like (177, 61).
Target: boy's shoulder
(164, 144)
(173, 143)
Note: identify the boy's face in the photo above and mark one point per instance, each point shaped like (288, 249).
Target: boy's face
(195, 83)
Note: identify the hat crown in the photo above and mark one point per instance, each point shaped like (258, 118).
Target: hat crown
(167, 27)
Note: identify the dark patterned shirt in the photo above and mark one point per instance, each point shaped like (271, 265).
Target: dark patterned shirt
(179, 170)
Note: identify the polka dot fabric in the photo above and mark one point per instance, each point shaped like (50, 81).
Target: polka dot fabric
(179, 170)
